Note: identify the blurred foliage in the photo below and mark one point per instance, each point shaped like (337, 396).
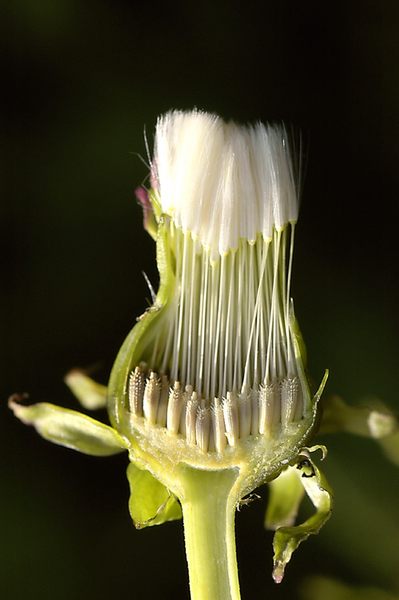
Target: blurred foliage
(80, 82)
(328, 589)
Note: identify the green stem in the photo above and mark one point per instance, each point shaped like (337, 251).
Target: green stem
(209, 504)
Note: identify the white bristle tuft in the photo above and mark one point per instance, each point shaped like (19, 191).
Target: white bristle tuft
(222, 181)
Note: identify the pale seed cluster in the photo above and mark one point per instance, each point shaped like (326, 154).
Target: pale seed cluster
(212, 425)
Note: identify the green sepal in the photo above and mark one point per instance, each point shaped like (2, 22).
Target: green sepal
(310, 404)
(69, 428)
(287, 539)
(298, 340)
(151, 225)
(150, 503)
(139, 343)
(285, 495)
(91, 395)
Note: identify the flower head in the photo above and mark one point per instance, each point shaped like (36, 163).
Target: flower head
(217, 360)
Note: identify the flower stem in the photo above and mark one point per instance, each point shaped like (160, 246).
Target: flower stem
(209, 503)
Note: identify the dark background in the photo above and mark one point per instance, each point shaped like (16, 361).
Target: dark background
(81, 80)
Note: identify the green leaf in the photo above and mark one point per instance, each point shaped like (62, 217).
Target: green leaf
(150, 502)
(287, 539)
(91, 395)
(69, 428)
(285, 495)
